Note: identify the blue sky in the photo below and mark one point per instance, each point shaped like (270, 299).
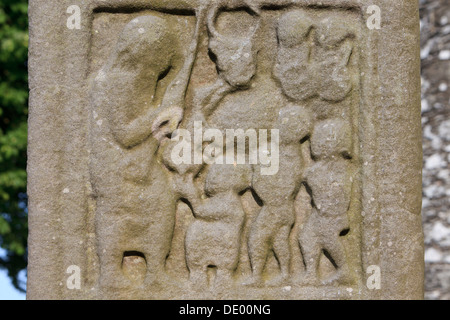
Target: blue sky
(7, 291)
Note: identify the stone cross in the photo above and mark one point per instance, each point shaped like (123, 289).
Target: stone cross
(211, 149)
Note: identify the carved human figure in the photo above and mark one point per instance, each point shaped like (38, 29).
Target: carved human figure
(272, 227)
(141, 89)
(330, 181)
(213, 239)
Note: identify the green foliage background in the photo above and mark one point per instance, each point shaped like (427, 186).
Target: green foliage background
(13, 136)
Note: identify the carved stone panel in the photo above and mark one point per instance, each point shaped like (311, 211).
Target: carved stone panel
(225, 149)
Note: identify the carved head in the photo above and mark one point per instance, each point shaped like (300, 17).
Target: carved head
(226, 178)
(332, 32)
(294, 123)
(235, 60)
(235, 56)
(331, 139)
(146, 41)
(293, 29)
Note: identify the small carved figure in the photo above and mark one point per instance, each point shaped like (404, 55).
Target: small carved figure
(273, 224)
(213, 239)
(329, 181)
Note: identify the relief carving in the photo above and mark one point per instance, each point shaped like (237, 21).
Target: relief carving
(141, 91)
(313, 57)
(293, 71)
(330, 181)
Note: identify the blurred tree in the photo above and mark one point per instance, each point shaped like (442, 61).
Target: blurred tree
(13, 137)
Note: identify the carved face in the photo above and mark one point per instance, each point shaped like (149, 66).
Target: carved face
(331, 138)
(223, 178)
(235, 59)
(295, 123)
(293, 29)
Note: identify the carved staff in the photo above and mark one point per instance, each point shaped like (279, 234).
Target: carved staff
(173, 102)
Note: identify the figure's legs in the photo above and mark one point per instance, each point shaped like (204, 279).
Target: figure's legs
(259, 244)
(198, 254)
(311, 248)
(224, 277)
(333, 245)
(156, 273)
(110, 237)
(158, 210)
(110, 256)
(227, 257)
(198, 276)
(282, 250)
(157, 248)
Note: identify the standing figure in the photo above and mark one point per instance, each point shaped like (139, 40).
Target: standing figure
(330, 182)
(140, 92)
(272, 227)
